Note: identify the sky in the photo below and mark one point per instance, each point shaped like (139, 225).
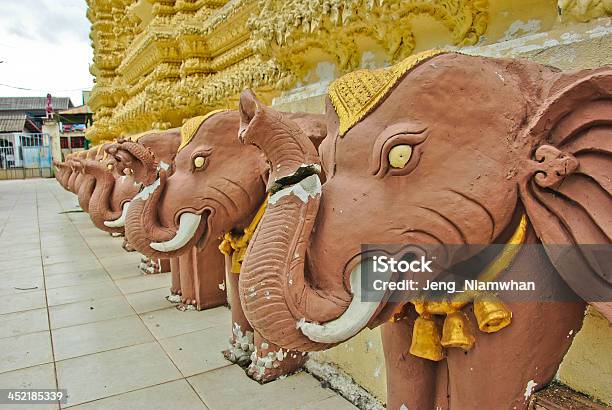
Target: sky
(45, 47)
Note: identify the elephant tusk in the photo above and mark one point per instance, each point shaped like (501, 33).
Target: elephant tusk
(188, 225)
(119, 222)
(351, 322)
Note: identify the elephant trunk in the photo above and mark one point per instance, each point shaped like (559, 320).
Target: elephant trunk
(85, 191)
(142, 222)
(276, 295)
(72, 177)
(99, 203)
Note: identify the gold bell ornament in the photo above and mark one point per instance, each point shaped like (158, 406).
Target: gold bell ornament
(491, 313)
(426, 339)
(457, 331)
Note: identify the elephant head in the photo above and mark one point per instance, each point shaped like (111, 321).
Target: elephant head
(442, 148)
(144, 154)
(112, 193)
(216, 185)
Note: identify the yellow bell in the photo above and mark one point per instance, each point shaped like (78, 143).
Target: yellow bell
(457, 331)
(491, 313)
(426, 340)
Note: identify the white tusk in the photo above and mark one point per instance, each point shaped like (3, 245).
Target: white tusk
(119, 222)
(188, 225)
(351, 322)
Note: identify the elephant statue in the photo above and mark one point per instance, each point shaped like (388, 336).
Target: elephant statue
(73, 179)
(87, 183)
(111, 195)
(61, 169)
(142, 156)
(210, 201)
(439, 149)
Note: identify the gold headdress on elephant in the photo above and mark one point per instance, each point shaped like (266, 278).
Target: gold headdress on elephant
(356, 94)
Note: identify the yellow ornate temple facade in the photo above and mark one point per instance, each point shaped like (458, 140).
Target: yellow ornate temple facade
(160, 62)
(157, 62)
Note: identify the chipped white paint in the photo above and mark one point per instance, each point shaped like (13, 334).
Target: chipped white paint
(148, 190)
(529, 389)
(174, 298)
(351, 322)
(403, 407)
(119, 222)
(241, 345)
(270, 360)
(571, 332)
(520, 28)
(344, 384)
(222, 285)
(539, 41)
(188, 225)
(307, 188)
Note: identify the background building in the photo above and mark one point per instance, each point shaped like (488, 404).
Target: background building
(158, 62)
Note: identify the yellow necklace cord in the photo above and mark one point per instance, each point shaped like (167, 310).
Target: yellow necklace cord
(236, 245)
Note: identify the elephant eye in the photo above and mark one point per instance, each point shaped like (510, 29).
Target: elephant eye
(399, 155)
(198, 162)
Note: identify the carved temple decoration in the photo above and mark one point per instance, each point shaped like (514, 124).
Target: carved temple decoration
(158, 62)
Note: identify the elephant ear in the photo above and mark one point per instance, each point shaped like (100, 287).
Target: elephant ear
(566, 187)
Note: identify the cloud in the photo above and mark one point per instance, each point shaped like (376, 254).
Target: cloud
(45, 20)
(45, 47)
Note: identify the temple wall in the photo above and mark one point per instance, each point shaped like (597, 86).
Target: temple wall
(587, 367)
(158, 62)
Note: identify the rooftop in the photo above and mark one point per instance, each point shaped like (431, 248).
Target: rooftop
(33, 103)
(12, 122)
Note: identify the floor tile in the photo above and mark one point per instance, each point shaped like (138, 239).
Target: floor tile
(20, 268)
(173, 395)
(149, 300)
(74, 266)
(289, 393)
(82, 256)
(124, 271)
(173, 322)
(144, 282)
(77, 293)
(332, 403)
(76, 278)
(15, 284)
(22, 351)
(89, 311)
(117, 371)
(20, 323)
(36, 377)
(124, 259)
(187, 354)
(22, 301)
(97, 337)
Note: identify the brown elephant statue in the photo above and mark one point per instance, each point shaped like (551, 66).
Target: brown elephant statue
(75, 176)
(440, 149)
(213, 198)
(86, 184)
(60, 170)
(111, 196)
(66, 171)
(142, 156)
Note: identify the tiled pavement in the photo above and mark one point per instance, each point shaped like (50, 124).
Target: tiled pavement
(75, 313)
